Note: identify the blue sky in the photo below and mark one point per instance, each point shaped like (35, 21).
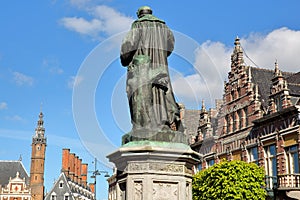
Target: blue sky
(63, 55)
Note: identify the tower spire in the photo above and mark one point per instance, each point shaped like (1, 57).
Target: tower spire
(40, 130)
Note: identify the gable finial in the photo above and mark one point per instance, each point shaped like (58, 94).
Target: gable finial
(277, 72)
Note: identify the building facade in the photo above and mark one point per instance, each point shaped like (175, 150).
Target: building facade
(14, 181)
(257, 120)
(72, 183)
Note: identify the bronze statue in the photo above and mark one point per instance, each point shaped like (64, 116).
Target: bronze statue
(144, 52)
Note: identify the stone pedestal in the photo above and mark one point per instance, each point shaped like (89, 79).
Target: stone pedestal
(149, 170)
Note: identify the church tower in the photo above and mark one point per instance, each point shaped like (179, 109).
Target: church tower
(38, 160)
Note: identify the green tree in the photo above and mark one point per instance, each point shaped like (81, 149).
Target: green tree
(230, 180)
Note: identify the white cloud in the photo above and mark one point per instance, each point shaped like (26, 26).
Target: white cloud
(82, 26)
(112, 20)
(52, 65)
(14, 118)
(213, 62)
(74, 81)
(79, 3)
(15, 134)
(105, 21)
(282, 44)
(22, 79)
(3, 105)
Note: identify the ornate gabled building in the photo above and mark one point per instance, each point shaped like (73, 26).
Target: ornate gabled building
(257, 121)
(14, 181)
(72, 182)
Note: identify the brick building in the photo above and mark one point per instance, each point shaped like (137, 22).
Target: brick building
(256, 121)
(37, 166)
(72, 182)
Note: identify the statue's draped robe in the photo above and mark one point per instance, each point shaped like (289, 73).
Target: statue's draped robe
(144, 51)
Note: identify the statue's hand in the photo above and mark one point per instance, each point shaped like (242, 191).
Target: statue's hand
(162, 83)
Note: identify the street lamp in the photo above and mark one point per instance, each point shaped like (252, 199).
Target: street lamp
(96, 173)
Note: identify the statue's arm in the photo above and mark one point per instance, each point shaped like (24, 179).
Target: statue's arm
(129, 46)
(171, 41)
(126, 53)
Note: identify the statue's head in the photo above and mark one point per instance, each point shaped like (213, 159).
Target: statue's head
(143, 11)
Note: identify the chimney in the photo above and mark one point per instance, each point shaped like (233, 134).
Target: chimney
(76, 169)
(79, 171)
(84, 171)
(65, 161)
(71, 165)
(92, 187)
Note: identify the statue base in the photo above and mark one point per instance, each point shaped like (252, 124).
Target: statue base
(162, 135)
(151, 170)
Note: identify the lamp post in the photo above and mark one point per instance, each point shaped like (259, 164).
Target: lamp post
(96, 173)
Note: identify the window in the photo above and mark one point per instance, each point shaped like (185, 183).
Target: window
(239, 92)
(53, 196)
(246, 116)
(66, 196)
(240, 119)
(226, 124)
(278, 104)
(210, 162)
(234, 119)
(292, 159)
(229, 123)
(271, 165)
(61, 183)
(253, 155)
(199, 166)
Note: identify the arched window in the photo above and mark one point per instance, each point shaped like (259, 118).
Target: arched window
(61, 184)
(240, 114)
(243, 118)
(233, 121)
(225, 128)
(230, 124)
(246, 116)
(236, 121)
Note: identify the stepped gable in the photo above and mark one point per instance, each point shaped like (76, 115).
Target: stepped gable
(9, 169)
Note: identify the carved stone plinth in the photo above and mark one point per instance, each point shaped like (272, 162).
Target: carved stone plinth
(152, 171)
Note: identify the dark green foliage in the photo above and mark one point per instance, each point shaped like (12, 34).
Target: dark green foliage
(230, 180)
